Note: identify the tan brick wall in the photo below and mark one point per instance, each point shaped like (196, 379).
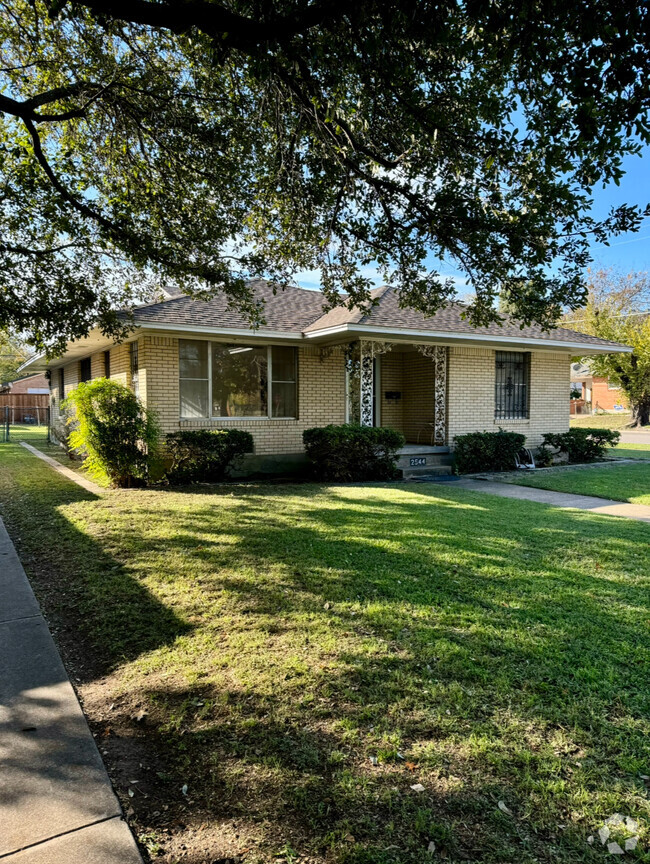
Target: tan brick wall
(470, 394)
(121, 364)
(321, 396)
(391, 412)
(120, 371)
(418, 397)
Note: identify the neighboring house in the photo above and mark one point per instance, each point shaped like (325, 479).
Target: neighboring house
(200, 366)
(597, 393)
(30, 385)
(25, 400)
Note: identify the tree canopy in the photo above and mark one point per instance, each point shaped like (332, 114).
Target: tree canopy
(203, 143)
(13, 353)
(618, 308)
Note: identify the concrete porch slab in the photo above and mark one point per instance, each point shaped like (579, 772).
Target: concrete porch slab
(417, 449)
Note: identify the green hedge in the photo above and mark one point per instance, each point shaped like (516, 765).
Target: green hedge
(581, 444)
(206, 455)
(349, 453)
(487, 451)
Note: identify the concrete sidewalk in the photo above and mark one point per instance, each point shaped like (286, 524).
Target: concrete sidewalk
(57, 805)
(565, 500)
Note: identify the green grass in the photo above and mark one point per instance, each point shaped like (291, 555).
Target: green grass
(630, 451)
(622, 482)
(603, 421)
(306, 654)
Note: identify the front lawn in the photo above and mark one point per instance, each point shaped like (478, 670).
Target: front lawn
(622, 482)
(352, 674)
(630, 451)
(603, 421)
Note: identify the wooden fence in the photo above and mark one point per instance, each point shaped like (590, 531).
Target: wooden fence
(24, 408)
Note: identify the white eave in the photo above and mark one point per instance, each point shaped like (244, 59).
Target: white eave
(96, 341)
(225, 332)
(397, 334)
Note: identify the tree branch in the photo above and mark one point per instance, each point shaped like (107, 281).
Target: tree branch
(26, 110)
(217, 21)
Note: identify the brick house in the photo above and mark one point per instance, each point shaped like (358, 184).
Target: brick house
(596, 392)
(199, 365)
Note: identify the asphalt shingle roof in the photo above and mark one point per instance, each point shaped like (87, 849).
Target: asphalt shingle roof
(289, 310)
(298, 310)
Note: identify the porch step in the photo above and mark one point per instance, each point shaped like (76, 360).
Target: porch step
(432, 470)
(424, 457)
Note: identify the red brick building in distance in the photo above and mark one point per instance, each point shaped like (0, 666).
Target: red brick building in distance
(597, 393)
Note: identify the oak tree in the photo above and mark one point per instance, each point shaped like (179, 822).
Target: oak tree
(199, 144)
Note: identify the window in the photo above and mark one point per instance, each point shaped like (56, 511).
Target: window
(61, 384)
(511, 385)
(135, 377)
(107, 364)
(84, 369)
(220, 380)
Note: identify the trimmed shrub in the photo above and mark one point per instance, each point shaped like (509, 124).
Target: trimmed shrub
(487, 451)
(206, 454)
(349, 453)
(113, 432)
(581, 444)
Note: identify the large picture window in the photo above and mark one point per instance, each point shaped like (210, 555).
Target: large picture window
(220, 380)
(512, 385)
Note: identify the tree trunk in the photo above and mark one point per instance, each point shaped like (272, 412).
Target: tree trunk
(640, 413)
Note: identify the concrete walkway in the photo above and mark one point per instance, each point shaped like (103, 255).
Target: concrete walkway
(57, 805)
(564, 500)
(77, 478)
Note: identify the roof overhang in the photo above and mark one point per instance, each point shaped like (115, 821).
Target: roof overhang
(96, 341)
(235, 334)
(395, 334)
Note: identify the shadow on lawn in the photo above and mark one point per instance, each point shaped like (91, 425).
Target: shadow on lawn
(74, 577)
(491, 657)
(473, 642)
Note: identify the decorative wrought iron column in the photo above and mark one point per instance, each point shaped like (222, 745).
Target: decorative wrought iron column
(438, 355)
(367, 381)
(368, 352)
(440, 396)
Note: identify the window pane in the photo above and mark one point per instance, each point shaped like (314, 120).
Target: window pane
(239, 381)
(194, 398)
(284, 400)
(193, 358)
(283, 366)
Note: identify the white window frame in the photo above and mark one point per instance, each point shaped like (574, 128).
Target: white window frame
(269, 383)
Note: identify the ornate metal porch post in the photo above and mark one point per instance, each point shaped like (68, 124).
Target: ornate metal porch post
(368, 352)
(438, 355)
(367, 380)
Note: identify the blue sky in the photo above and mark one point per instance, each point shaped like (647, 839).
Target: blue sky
(627, 252)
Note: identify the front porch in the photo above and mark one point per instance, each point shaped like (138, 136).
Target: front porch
(403, 386)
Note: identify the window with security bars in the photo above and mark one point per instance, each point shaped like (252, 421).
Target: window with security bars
(512, 385)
